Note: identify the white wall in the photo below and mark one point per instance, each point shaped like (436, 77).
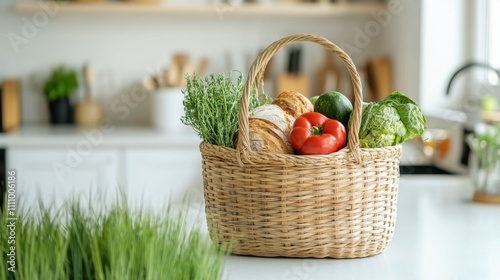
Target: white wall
(122, 48)
(445, 44)
(402, 41)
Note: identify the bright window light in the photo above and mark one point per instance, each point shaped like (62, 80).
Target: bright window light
(494, 37)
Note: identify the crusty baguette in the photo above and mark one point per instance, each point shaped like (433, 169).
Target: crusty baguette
(294, 103)
(274, 114)
(265, 137)
(270, 127)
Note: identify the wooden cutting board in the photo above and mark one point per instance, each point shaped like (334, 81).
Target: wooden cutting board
(329, 76)
(10, 110)
(293, 82)
(379, 74)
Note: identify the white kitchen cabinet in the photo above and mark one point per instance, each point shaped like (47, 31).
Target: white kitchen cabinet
(156, 177)
(148, 164)
(55, 174)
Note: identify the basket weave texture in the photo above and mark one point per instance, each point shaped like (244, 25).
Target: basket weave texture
(341, 205)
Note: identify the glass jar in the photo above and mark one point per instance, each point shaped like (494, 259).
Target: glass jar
(485, 164)
(485, 177)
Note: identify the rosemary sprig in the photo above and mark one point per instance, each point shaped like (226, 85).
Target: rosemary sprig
(211, 107)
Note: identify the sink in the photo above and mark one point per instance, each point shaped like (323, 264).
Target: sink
(415, 161)
(422, 169)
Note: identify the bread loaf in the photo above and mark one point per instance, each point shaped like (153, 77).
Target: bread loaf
(270, 127)
(294, 103)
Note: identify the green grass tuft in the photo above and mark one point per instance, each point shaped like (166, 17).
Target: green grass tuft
(76, 242)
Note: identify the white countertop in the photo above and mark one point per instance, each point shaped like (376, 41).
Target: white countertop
(440, 234)
(113, 137)
(60, 136)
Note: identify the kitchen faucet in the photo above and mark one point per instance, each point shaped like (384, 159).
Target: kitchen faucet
(469, 65)
(464, 158)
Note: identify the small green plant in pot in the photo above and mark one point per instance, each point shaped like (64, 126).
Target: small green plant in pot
(58, 88)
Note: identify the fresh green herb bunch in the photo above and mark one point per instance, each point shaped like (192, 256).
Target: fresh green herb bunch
(211, 107)
(486, 147)
(77, 242)
(62, 83)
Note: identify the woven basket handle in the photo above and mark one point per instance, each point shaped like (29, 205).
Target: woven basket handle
(255, 78)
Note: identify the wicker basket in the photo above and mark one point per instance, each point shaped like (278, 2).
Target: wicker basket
(341, 205)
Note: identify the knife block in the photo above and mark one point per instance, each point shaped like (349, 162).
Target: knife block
(10, 106)
(293, 82)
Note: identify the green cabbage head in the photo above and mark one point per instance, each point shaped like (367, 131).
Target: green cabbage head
(390, 122)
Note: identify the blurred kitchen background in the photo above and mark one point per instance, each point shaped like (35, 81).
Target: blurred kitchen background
(124, 127)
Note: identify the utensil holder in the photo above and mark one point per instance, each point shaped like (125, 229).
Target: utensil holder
(167, 109)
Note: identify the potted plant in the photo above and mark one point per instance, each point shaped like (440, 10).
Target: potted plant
(58, 88)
